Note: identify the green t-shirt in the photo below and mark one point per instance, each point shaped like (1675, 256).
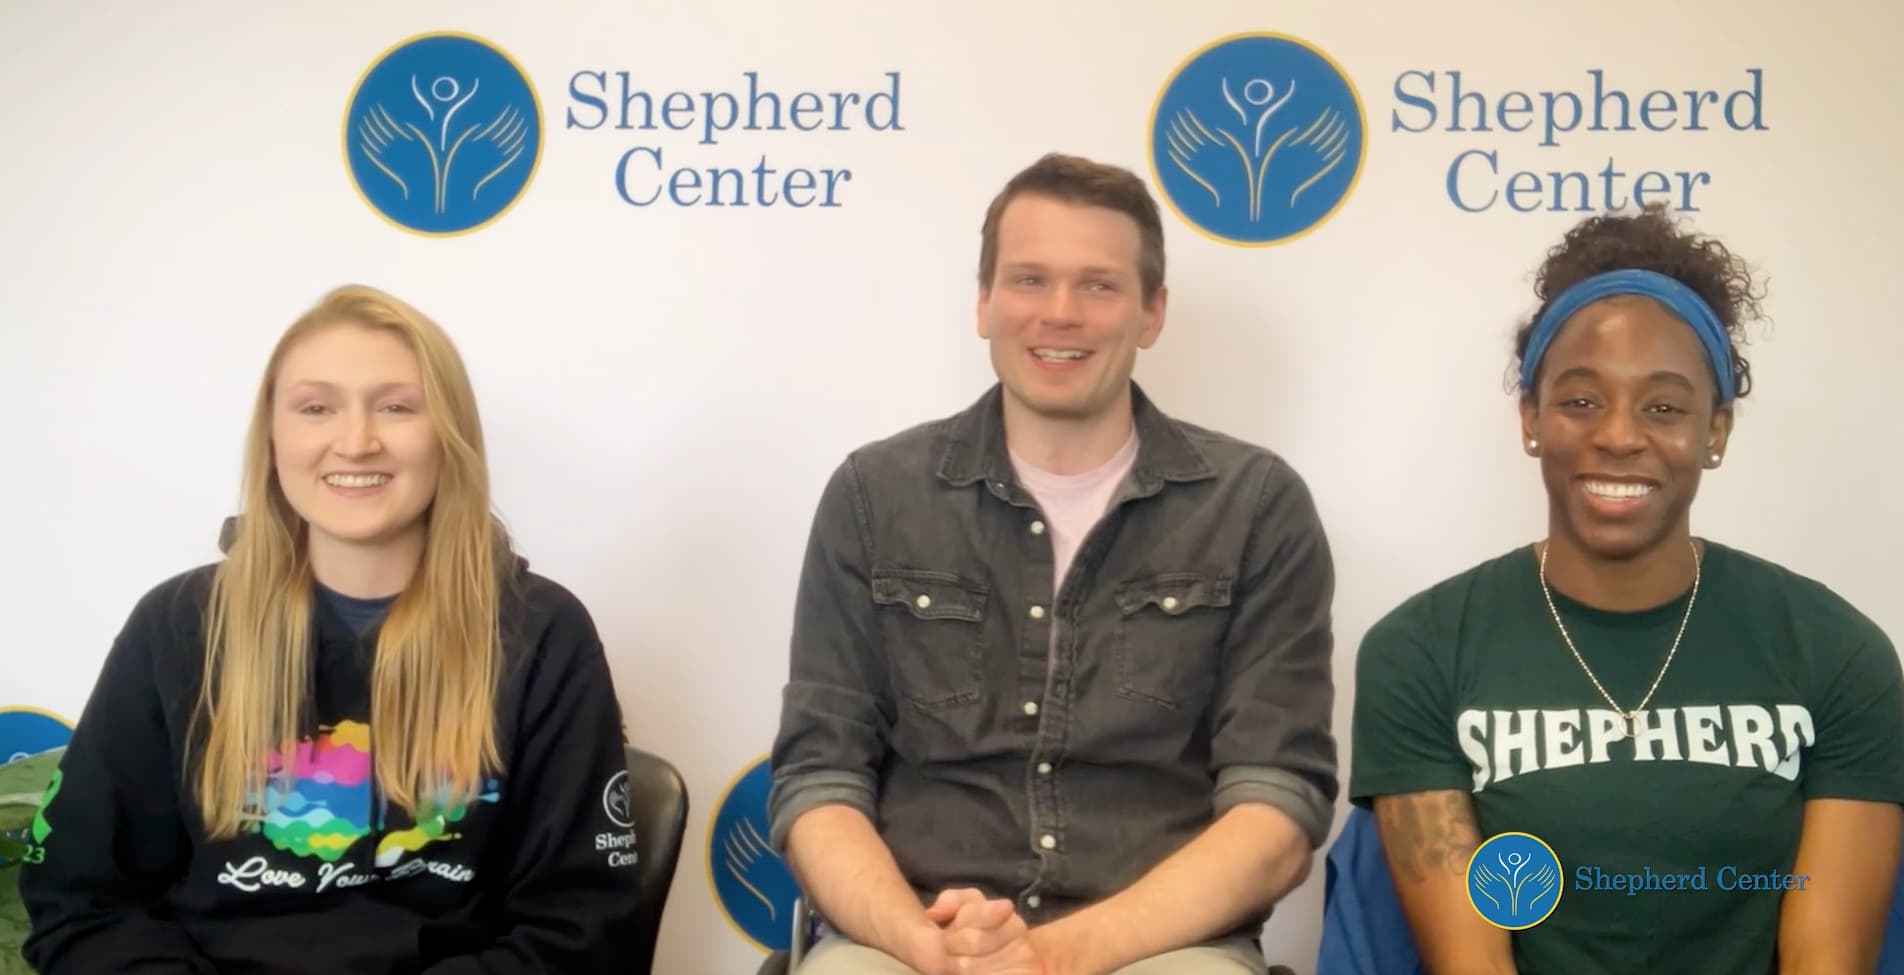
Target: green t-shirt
(1780, 692)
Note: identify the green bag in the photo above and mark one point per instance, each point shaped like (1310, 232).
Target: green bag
(23, 785)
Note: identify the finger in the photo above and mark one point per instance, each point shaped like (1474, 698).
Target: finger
(945, 909)
(1010, 924)
(973, 942)
(1000, 913)
(989, 941)
(971, 914)
(952, 898)
(985, 915)
(1000, 955)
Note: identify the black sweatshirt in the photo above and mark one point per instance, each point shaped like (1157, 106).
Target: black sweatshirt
(536, 875)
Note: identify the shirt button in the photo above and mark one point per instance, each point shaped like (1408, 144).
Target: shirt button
(1170, 603)
(1031, 707)
(1044, 768)
(1037, 528)
(1033, 901)
(923, 601)
(1037, 612)
(1048, 841)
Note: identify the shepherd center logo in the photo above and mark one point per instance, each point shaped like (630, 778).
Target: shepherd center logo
(26, 732)
(752, 885)
(32, 742)
(1257, 139)
(1514, 881)
(442, 135)
(615, 802)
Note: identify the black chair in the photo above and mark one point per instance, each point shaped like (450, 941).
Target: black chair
(775, 964)
(658, 805)
(785, 962)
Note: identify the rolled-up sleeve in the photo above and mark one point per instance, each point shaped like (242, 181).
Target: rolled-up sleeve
(834, 722)
(1272, 740)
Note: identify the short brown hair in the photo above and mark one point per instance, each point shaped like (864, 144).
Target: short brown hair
(1075, 179)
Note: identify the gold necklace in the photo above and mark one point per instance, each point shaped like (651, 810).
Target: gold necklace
(1631, 729)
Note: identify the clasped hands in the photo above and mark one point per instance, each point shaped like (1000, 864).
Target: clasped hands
(972, 935)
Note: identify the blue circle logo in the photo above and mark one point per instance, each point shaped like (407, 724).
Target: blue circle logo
(752, 885)
(1514, 881)
(26, 732)
(442, 135)
(1257, 139)
(31, 745)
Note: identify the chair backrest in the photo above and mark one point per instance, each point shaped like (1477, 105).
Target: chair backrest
(658, 803)
(1364, 931)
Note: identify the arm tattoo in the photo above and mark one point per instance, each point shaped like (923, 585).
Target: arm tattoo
(1428, 832)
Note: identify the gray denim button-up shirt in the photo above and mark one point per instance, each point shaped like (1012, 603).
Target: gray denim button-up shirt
(1192, 669)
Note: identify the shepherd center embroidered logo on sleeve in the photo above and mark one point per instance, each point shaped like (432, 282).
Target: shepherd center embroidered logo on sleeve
(318, 803)
(617, 806)
(615, 800)
(1501, 744)
(620, 844)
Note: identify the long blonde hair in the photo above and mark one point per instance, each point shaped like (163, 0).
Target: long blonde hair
(439, 653)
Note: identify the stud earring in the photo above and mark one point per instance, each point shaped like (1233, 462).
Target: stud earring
(1533, 445)
(1715, 460)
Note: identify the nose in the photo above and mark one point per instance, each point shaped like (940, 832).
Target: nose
(1618, 432)
(357, 437)
(1061, 308)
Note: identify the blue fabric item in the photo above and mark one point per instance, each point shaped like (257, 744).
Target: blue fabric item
(359, 614)
(1363, 929)
(1678, 299)
(1891, 956)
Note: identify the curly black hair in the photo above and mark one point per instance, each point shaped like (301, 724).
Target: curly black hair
(1650, 240)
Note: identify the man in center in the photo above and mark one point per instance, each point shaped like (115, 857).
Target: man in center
(1060, 692)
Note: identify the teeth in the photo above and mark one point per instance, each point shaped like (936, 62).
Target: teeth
(356, 480)
(1609, 489)
(1058, 355)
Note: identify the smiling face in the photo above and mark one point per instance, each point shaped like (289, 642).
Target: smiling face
(353, 445)
(1065, 311)
(1623, 422)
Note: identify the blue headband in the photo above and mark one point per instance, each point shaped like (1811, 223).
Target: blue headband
(1678, 299)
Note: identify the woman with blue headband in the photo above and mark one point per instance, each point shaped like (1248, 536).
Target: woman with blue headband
(1704, 750)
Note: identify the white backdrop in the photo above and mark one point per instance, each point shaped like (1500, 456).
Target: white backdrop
(666, 388)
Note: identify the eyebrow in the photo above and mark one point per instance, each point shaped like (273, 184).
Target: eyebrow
(379, 389)
(1665, 376)
(1099, 270)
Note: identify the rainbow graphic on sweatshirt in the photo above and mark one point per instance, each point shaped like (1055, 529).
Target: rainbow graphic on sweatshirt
(434, 817)
(325, 805)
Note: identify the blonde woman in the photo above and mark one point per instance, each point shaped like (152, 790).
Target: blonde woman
(368, 739)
